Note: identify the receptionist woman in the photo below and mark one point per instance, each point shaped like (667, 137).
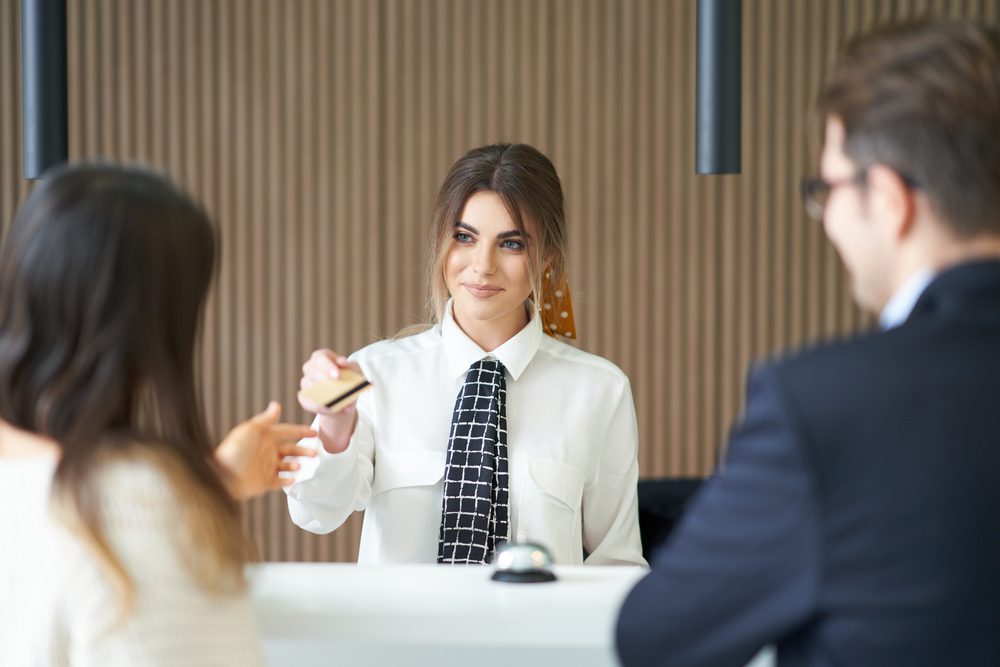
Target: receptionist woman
(481, 428)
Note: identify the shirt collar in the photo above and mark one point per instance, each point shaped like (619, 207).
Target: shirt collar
(461, 352)
(902, 302)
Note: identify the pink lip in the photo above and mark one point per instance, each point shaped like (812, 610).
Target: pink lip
(481, 291)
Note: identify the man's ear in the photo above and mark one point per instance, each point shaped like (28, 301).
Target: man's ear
(892, 200)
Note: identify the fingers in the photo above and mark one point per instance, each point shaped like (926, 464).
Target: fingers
(312, 377)
(295, 450)
(291, 432)
(269, 416)
(288, 466)
(324, 363)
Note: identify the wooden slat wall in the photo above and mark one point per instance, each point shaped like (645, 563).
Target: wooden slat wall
(316, 132)
(12, 187)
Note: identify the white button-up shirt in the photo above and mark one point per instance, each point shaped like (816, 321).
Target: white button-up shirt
(571, 439)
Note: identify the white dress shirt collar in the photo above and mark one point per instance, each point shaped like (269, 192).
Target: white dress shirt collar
(905, 298)
(515, 354)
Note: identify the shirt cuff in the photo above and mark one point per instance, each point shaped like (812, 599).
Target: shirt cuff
(325, 465)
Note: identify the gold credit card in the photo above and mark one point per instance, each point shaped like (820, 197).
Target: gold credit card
(337, 394)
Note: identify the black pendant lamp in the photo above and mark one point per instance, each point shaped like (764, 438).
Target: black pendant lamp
(45, 134)
(717, 113)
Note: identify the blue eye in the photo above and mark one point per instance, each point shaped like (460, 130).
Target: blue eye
(463, 238)
(511, 244)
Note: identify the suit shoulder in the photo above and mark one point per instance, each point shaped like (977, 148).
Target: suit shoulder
(824, 353)
(844, 375)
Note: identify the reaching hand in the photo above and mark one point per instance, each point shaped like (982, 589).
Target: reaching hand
(256, 451)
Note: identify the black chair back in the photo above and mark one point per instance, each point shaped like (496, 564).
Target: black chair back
(661, 503)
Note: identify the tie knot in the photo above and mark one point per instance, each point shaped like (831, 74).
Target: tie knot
(487, 364)
(486, 371)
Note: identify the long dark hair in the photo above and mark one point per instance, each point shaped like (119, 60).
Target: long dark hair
(103, 278)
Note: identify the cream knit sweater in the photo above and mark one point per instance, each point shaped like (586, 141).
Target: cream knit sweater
(56, 608)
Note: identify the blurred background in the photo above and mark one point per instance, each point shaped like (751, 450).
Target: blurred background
(316, 132)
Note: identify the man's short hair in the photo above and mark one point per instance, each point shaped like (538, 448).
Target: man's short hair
(924, 99)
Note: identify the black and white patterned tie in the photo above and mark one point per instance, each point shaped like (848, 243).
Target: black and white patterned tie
(474, 508)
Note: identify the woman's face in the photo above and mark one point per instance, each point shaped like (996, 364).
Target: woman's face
(486, 269)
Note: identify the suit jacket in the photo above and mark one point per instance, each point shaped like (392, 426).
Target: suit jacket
(857, 518)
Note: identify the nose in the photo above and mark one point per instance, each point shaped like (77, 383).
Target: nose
(484, 262)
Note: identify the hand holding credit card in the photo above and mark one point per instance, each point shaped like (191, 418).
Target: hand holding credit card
(330, 385)
(337, 394)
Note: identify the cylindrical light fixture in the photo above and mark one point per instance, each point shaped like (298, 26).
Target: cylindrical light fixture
(45, 136)
(717, 116)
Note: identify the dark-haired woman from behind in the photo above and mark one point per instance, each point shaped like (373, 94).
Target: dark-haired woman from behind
(119, 520)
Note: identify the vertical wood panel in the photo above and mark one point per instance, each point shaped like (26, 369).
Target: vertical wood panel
(316, 133)
(659, 283)
(13, 188)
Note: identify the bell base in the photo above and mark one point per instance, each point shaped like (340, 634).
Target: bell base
(527, 577)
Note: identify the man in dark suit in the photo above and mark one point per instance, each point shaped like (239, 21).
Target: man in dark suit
(856, 520)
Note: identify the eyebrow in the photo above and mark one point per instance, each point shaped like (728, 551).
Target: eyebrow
(514, 233)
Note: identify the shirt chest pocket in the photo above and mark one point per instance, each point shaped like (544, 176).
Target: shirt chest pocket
(405, 469)
(551, 511)
(557, 480)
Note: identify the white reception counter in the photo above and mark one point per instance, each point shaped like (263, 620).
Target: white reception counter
(345, 614)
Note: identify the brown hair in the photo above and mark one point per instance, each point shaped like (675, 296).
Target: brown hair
(103, 278)
(924, 99)
(527, 183)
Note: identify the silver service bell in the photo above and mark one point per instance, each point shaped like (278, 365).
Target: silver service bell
(522, 562)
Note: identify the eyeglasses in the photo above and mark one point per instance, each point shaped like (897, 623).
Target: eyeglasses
(816, 191)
